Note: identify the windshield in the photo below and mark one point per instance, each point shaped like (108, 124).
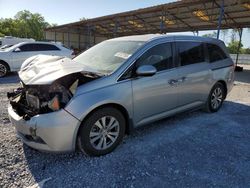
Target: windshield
(6, 46)
(107, 56)
(9, 47)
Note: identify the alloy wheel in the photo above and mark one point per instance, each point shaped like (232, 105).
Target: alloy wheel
(104, 132)
(216, 98)
(3, 70)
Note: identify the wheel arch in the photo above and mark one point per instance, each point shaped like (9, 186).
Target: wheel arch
(224, 85)
(129, 124)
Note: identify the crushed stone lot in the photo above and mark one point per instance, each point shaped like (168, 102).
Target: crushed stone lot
(193, 149)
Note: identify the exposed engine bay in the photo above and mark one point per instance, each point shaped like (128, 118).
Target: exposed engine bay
(30, 100)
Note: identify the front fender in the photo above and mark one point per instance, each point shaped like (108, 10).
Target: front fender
(120, 93)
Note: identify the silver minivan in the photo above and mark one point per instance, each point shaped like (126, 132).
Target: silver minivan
(90, 102)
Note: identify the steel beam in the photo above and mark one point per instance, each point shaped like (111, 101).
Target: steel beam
(220, 18)
(238, 50)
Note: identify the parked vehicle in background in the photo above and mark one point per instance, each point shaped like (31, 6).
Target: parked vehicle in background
(115, 86)
(9, 40)
(11, 58)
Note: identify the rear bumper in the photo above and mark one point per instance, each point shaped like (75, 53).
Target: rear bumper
(52, 132)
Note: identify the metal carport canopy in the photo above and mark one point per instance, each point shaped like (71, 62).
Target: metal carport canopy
(180, 16)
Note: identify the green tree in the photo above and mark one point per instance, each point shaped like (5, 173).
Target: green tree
(246, 51)
(211, 35)
(233, 47)
(25, 24)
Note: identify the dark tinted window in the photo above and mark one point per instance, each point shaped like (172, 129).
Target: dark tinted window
(38, 47)
(159, 56)
(44, 47)
(26, 47)
(215, 53)
(190, 52)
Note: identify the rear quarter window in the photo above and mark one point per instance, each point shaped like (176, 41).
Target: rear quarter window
(215, 53)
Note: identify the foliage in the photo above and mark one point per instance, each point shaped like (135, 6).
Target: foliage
(233, 47)
(246, 50)
(25, 24)
(82, 19)
(211, 35)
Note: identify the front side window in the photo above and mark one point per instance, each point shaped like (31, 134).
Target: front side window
(190, 52)
(108, 56)
(26, 48)
(159, 56)
(215, 53)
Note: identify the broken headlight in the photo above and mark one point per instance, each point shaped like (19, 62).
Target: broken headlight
(32, 101)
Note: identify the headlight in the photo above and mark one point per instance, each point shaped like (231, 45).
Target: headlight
(32, 101)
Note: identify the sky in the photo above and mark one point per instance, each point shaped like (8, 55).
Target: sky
(67, 11)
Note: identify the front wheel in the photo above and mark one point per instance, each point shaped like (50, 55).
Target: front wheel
(102, 132)
(3, 69)
(215, 98)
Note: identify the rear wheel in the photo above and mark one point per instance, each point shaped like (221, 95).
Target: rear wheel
(215, 98)
(101, 132)
(3, 69)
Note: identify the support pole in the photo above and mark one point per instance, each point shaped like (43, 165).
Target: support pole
(220, 18)
(238, 68)
(68, 41)
(63, 37)
(55, 36)
(115, 28)
(162, 23)
(89, 35)
(79, 40)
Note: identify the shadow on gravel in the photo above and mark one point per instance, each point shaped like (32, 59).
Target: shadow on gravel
(195, 149)
(243, 76)
(11, 78)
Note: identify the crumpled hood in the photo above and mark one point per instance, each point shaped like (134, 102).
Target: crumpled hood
(44, 69)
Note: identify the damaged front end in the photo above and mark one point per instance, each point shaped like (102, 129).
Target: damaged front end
(30, 100)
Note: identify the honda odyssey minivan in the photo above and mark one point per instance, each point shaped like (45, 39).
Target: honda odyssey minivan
(90, 102)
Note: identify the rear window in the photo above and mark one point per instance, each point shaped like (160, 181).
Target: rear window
(215, 53)
(190, 52)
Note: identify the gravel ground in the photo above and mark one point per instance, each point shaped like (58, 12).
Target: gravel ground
(194, 149)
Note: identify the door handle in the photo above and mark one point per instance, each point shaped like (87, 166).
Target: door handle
(183, 79)
(172, 82)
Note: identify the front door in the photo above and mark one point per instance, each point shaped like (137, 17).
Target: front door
(20, 54)
(153, 96)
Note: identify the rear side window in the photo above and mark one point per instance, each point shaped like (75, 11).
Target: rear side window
(160, 56)
(190, 52)
(45, 47)
(215, 53)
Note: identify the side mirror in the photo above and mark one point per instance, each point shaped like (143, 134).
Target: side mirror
(17, 50)
(146, 70)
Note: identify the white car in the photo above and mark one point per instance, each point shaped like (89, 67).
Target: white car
(9, 40)
(11, 58)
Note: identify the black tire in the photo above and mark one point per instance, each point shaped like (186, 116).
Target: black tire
(84, 139)
(210, 105)
(4, 69)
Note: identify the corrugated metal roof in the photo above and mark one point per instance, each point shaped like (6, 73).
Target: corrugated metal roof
(185, 15)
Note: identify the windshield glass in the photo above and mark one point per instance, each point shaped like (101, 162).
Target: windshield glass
(6, 46)
(107, 56)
